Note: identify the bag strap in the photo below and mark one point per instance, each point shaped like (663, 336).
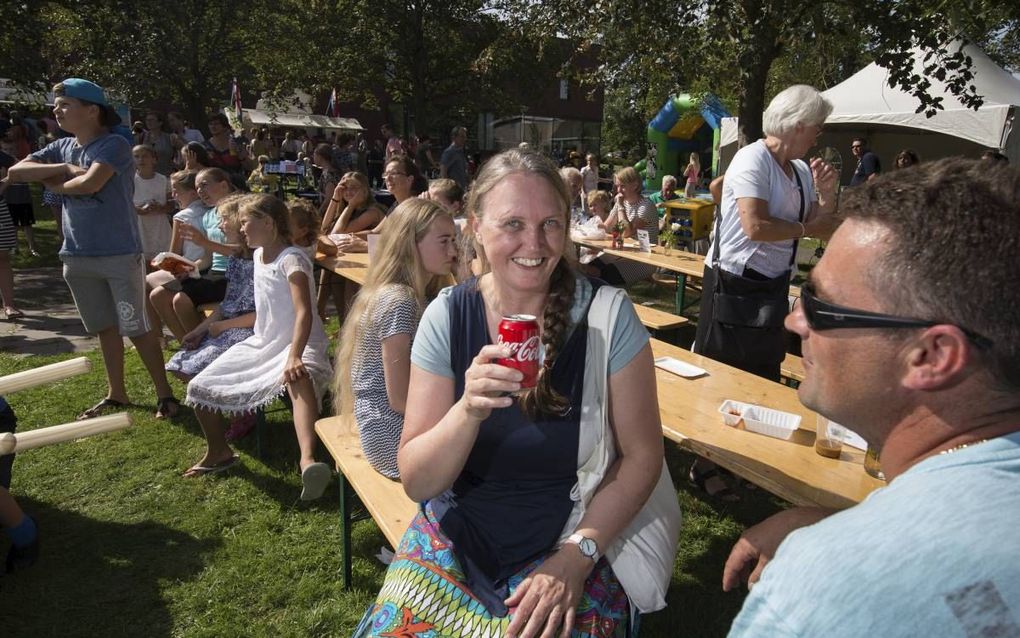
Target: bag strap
(800, 215)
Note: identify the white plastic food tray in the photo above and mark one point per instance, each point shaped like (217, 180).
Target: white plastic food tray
(774, 423)
(679, 368)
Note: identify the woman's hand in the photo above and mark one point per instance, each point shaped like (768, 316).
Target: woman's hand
(193, 338)
(825, 177)
(338, 192)
(294, 370)
(486, 382)
(192, 234)
(544, 604)
(351, 244)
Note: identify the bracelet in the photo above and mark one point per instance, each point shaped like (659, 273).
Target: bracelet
(337, 201)
(803, 230)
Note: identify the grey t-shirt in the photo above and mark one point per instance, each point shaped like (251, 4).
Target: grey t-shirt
(104, 223)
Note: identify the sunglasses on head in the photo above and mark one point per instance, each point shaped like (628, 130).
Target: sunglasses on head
(822, 315)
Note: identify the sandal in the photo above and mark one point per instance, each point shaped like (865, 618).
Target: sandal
(167, 408)
(198, 470)
(702, 480)
(314, 480)
(13, 313)
(103, 407)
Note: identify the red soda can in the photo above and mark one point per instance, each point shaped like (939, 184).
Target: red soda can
(520, 334)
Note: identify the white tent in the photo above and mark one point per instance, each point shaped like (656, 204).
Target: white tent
(865, 105)
(866, 98)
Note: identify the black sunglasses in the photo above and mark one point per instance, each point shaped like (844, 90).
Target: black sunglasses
(822, 315)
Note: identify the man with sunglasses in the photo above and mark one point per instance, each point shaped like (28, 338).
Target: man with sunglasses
(868, 164)
(911, 337)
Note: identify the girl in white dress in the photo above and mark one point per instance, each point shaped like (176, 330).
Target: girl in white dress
(288, 351)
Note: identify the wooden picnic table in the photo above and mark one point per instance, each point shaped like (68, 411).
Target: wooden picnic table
(689, 410)
(789, 469)
(681, 263)
(351, 266)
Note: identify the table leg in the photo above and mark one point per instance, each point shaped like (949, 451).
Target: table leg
(345, 529)
(681, 292)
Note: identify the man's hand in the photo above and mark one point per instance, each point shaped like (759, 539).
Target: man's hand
(758, 544)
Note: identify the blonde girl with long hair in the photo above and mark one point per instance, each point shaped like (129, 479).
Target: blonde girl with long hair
(413, 262)
(693, 175)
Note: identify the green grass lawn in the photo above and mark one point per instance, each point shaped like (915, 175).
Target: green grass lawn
(129, 547)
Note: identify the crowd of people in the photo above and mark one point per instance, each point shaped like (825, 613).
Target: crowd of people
(547, 510)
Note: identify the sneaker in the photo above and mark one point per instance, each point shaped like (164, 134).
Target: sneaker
(19, 558)
(241, 427)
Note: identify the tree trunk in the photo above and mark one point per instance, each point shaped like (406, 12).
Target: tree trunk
(752, 103)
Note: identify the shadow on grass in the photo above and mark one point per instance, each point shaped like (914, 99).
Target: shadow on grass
(696, 603)
(98, 574)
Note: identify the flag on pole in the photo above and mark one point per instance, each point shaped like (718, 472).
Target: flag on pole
(333, 108)
(235, 99)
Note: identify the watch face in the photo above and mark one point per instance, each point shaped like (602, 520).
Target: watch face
(587, 546)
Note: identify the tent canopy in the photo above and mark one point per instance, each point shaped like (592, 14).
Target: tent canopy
(301, 120)
(866, 98)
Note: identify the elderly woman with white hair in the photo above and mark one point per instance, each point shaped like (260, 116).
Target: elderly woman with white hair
(770, 200)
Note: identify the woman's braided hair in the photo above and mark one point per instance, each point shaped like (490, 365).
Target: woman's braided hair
(543, 399)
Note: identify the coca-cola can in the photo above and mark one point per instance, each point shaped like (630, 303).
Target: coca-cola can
(520, 334)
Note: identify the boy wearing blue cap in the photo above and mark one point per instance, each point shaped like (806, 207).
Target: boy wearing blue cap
(103, 265)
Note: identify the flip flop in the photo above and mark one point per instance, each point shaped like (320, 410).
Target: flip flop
(314, 480)
(101, 408)
(196, 471)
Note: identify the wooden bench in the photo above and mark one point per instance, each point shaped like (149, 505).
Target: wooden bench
(792, 369)
(384, 498)
(658, 320)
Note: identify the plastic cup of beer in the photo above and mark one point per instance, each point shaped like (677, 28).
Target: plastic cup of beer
(828, 437)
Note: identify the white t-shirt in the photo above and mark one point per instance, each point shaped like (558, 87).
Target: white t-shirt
(755, 173)
(155, 230)
(192, 215)
(589, 179)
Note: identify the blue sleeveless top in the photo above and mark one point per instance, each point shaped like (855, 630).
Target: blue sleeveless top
(512, 499)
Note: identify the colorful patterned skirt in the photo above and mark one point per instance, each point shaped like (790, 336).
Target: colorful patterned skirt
(424, 595)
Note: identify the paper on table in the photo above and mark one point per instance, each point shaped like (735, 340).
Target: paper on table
(644, 242)
(680, 368)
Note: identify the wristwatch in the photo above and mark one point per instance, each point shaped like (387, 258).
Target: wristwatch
(588, 547)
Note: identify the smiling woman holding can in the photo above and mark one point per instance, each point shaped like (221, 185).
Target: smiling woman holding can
(500, 536)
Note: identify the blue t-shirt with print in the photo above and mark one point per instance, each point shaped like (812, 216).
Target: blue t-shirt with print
(103, 223)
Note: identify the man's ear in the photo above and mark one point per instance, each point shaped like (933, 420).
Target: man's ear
(938, 359)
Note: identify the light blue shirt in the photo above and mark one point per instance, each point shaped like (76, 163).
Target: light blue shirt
(211, 224)
(934, 554)
(431, 349)
(104, 223)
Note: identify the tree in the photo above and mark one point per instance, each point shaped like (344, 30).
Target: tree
(732, 46)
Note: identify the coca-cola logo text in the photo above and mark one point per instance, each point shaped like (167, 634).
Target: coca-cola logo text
(526, 350)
